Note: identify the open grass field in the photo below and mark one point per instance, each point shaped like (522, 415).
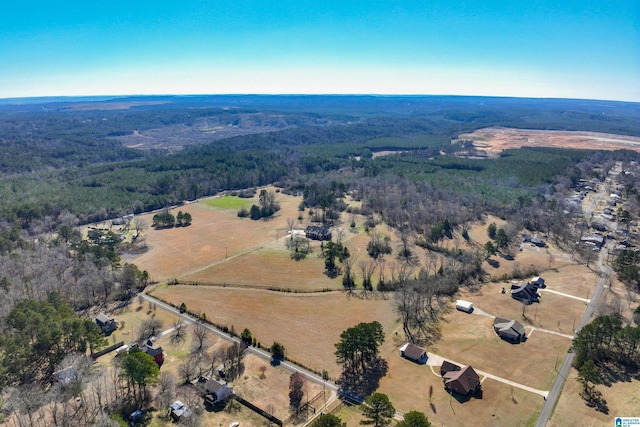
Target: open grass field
(270, 266)
(622, 399)
(228, 202)
(213, 236)
(308, 325)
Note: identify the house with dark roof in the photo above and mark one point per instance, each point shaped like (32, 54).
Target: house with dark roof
(216, 391)
(526, 293)
(318, 233)
(413, 353)
(509, 330)
(106, 323)
(465, 381)
(448, 367)
(538, 242)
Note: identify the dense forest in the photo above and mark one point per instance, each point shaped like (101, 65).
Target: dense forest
(61, 158)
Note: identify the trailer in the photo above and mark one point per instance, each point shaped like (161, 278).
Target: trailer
(465, 306)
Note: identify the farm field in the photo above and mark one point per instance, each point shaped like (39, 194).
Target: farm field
(214, 235)
(308, 325)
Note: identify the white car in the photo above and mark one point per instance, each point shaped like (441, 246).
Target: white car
(236, 424)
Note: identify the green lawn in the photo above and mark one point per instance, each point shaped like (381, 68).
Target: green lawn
(228, 202)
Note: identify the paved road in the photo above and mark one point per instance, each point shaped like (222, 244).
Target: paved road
(563, 372)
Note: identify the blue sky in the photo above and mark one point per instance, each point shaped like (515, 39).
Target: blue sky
(538, 48)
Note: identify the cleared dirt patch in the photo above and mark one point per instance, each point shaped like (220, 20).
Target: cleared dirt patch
(494, 140)
(308, 325)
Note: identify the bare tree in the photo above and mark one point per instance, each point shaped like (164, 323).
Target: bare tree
(178, 332)
(234, 355)
(149, 327)
(291, 222)
(367, 268)
(25, 402)
(166, 387)
(139, 225)
(200, 335)
(188, 369)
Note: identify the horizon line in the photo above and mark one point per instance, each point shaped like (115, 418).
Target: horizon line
(106, 97)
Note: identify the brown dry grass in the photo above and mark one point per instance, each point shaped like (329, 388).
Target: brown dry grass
(308, 325)
(408, 386)
(554, 312)
(213, 235)
(470, 340)
(622, 399)
(269, 267)
(273, 389)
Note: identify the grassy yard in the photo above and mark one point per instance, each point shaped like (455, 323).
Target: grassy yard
(228, 202)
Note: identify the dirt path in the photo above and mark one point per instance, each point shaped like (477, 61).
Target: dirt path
(587, 301)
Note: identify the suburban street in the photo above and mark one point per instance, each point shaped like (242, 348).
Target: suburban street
(565, 367)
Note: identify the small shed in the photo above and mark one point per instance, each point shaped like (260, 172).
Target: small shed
(179, 410)
(463, 305)
(413, 353)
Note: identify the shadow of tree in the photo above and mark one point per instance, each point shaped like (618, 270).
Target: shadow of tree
(369, 382)
(611, 373)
